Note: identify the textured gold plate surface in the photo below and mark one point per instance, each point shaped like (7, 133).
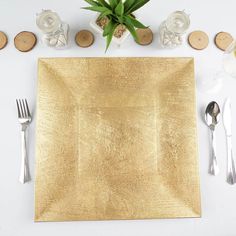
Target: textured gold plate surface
(116, 139)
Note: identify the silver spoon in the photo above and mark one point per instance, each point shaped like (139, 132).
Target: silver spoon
(212, 118)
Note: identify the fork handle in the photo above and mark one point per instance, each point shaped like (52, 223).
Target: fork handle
(24, 172)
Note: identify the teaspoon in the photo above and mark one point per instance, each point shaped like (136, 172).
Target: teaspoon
(212, 118)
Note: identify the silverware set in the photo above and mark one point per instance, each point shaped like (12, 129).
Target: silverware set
(24, 118)
(212, 116)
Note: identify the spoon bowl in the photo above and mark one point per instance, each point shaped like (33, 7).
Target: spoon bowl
(212, 114)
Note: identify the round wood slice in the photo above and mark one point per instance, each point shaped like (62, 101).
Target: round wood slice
(223, 40)
(145, 36)
(25, 41)
(3, 40)
(198, 40)
(84, 38)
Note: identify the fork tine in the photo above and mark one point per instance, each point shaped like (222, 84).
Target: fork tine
(21, 108)
(18, 108)
(27, 108)
(24, 108)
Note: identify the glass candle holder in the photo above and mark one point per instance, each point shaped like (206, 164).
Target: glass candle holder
(55, 32)
(172, 29)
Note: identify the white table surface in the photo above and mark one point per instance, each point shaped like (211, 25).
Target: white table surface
(18, 78)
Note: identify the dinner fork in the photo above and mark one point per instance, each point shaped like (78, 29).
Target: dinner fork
(24, 118)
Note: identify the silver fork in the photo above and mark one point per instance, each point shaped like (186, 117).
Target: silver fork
(24, 118)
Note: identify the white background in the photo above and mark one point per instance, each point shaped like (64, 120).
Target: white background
(18, 76)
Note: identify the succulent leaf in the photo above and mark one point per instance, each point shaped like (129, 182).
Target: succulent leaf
(119, 10)
(120, 19)
(105, 13)
(128, 4)
(108, 28)
(92, 3)
(131, 28)
(136, 23)
(96, 8)
(138, 4)
(113, 3)
(104, 3)
(110, 35)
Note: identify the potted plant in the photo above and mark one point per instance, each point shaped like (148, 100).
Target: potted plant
(115, 19)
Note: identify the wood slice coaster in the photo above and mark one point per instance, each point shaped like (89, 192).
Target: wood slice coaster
(223, 40)
(84, 38)
(3, 40)
(198, 40)
(25, 41)
(145, 36)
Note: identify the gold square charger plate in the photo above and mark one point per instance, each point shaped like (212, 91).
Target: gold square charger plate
(116, 139)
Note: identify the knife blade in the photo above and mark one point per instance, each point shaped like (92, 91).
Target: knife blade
(227, 120)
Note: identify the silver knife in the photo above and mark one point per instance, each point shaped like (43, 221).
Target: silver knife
(227, 120)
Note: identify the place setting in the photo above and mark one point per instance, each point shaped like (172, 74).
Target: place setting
(116, 138)
(212, 118)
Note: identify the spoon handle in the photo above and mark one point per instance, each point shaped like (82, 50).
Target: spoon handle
(214, 169)
(231, 174)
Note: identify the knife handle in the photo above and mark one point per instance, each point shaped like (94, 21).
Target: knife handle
(231, 174)
(213, 168)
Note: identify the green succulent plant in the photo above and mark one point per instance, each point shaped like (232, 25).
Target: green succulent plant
(118, 12)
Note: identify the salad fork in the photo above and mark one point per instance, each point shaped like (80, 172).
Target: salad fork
(24, 118)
